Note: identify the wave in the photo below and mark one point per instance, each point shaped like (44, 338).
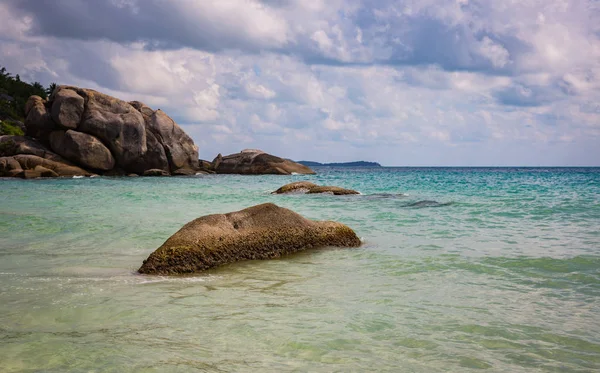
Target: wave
(78, 177)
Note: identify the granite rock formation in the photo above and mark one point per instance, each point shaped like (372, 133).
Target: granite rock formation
(306, 187)
(260, 232)
(256, 162)
(107, 135)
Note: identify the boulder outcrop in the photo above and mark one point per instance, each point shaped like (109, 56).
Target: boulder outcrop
(38, 122)
(298, 187)
(22, 156)
(39, 171)
(257, 162)
(337, 191)
(31, 166)
(105, 134)
(67, 108)
(14, 145)
(83, 149)
(306, 187)
(10, 167)
(156, 172)
(260, 232)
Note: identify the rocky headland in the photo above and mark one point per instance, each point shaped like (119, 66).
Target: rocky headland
(99, 134)
(80, 131)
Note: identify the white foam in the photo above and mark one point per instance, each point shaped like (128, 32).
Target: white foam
(78, 177)
(143, 279)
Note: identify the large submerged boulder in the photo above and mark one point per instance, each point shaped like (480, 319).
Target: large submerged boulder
(103, 133)
(306, 187)
(257, 162)
(261, 232)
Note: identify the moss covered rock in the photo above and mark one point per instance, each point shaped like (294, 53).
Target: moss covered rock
(261, 232)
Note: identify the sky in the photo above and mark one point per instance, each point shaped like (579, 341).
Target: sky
(403, 83)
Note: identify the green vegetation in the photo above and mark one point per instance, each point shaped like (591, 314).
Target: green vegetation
(51, 88)
(13, 96)
(9, 127)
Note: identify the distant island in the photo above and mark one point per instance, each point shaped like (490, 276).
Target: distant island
(341, 164)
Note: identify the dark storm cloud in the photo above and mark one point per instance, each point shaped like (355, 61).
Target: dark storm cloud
(326, 75)
(400, 40)
(159, 24)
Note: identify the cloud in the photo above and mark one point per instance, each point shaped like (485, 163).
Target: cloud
(400, 82)
(205, 25)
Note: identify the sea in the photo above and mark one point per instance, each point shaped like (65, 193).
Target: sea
(460, 270)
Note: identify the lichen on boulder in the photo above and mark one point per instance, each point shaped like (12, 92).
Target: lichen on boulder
(264, 231)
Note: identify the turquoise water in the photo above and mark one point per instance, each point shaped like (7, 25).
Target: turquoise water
(501, 273)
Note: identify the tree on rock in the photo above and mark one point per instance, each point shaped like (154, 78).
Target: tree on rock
(51, 88)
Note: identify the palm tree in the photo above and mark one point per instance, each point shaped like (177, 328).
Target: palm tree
(39, 89)
(38, 86)
(51, 88)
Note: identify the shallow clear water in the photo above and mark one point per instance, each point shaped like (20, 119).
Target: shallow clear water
(501, 274)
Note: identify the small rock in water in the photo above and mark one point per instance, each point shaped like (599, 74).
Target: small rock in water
(297, 187)
(155, 172)
(427, 203)
(306, 187)
(256, 162)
